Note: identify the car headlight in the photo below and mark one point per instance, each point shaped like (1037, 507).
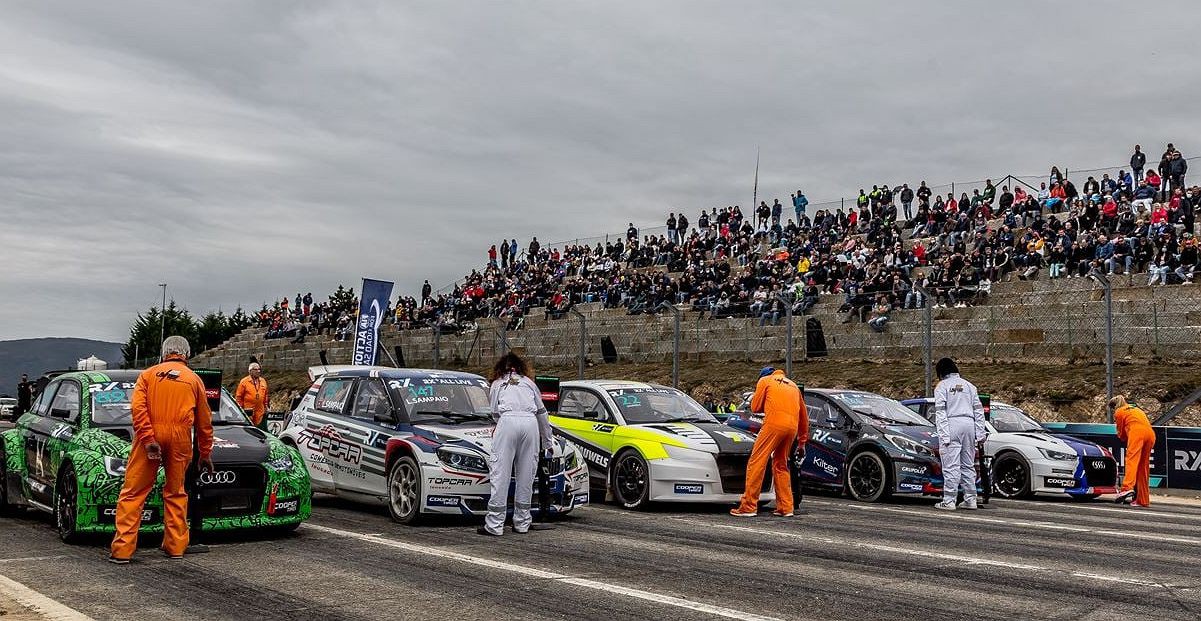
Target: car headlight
(1057, 455)
(114, 466)
(909, 446)
(282, 464)
(462, 460)
(571, 461)
(687, 454)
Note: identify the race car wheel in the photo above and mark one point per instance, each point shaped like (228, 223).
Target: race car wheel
(867, 477)
(66, 505)
(1011, 476)
(404, 490)
(631, 480)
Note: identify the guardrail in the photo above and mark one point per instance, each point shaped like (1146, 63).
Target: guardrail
(1175, 460)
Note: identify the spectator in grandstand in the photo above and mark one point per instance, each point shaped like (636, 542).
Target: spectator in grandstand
(1176, 168)
(1137, 161)
(880, 313)
(799, 204)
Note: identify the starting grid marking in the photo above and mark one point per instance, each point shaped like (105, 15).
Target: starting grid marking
(942, 556)
(32, 600)
(650, 596)
(957, 515)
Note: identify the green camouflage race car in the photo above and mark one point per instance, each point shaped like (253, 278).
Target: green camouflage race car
(67, 457)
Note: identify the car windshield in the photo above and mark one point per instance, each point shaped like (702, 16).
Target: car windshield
(659, 405)
(111, 406)
(1007, 418)
(442, 399)
(881, 408)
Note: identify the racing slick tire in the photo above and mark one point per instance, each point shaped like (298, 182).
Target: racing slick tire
(631, 480)
(1011, 476)
(868, 477)
(404, 491)
(66, 505)
(1084, 497)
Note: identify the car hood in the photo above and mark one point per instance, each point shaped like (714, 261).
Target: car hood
(1032, 439)
(240, 444)
(478, 437)
(232, 444)
(714, 438)
(927, 436)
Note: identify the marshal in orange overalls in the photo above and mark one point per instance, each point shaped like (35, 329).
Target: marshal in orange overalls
(252, 395)
(785, 420)
(1135, 430)
(168, 403)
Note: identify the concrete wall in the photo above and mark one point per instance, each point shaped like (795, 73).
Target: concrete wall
(1060, 320)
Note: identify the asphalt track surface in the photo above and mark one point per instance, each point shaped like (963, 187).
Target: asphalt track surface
(843, 560)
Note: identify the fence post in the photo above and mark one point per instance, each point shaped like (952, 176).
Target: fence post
(675, 352)
(927, 336)
(784, 298)
(1102, 280)
(583, 337)
(1155, 324)
(437, 346)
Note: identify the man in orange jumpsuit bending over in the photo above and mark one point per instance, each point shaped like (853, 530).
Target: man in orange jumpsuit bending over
(785, 421)
(1135, 430)
(167, 404)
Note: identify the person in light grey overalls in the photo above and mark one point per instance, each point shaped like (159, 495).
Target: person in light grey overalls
(522, 433)
(959, 421)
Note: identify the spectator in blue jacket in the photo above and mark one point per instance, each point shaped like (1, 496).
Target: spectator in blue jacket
(799, 204)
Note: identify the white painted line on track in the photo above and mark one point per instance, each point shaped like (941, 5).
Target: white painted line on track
(942, 556)
(960, 515)
(606, 587)
(31, 599)
(32, 558)
(1132, 513)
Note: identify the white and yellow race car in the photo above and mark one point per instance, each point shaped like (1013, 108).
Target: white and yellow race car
(648, 443)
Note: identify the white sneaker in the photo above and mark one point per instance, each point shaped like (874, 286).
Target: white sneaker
(969, 505)
(946, 505)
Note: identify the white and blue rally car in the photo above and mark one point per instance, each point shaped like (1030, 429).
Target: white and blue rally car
(417, 441)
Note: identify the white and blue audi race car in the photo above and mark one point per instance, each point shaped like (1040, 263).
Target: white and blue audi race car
(1029, 460)
(417, 441)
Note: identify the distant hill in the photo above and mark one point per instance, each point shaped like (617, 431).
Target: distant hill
(34, 356)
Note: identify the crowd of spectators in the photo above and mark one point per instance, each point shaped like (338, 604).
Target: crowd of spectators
(302, 317)
(898, 244)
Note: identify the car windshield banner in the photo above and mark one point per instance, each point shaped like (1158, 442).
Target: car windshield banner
(373, 302)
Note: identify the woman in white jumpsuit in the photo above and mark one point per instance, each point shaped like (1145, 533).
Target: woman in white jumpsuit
(959, 421)
(522, 433)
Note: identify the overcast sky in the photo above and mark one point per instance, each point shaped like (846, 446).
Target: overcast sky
(243, 150)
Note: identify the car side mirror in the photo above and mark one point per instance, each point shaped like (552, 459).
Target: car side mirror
(60, 413)
(384, 416)
(592, 415)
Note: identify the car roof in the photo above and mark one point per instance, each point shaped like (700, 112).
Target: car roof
(393, 373)
(604, 384)
(93, 377)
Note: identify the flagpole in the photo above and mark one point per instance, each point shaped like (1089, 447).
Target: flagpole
(755, 192)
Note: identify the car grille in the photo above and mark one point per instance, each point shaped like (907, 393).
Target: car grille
(242, 497)
(1101, 471)
(732, 471)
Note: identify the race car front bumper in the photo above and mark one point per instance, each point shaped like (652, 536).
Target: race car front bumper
(702, 477)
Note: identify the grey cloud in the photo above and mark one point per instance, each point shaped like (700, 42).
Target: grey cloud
(241, 151)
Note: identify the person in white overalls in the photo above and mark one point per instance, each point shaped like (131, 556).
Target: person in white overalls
(959, 420)
(522, 433)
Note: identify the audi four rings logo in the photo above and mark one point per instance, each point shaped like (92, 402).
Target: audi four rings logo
(1099, 464)
(218, 478)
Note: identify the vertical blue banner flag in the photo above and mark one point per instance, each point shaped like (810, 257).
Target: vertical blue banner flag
(372, 303)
